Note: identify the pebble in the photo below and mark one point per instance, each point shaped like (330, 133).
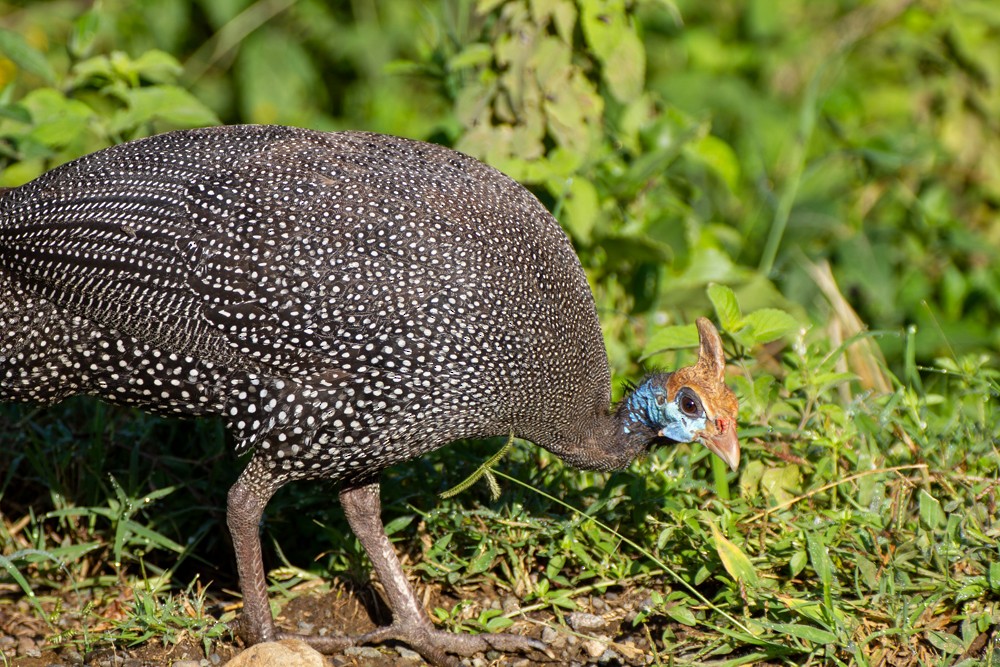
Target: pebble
(305, 628)
(72, 656)
(511, 605)
(582, 621)
(609, 657)
(287, 653)
(27, 648)
(594, 648)
(554, 639)
(363, 652)
(407, 654)
(186, 663)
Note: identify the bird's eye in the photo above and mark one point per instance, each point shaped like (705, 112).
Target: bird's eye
(690, 405)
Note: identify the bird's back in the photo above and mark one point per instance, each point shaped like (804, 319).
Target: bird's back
(403, 276)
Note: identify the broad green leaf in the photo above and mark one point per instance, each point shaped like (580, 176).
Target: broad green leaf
(782, 483)
(820, 559)
(398, 524)
(868, 571)
(473, 55)
(157, 67)
(719, 156)
(671, 338)
(682, 614)
(582, 208)
(25, 56)
(58, 121)
(993, 576)
(498, 623)
(931, 514)
(945, 641)
(84, 32)
(737, 563)
(726, 308)
(769, 324)
(613, 40)
(807, 632)
(485, 555)
(750, 478)
(170, 104)
(797, 563)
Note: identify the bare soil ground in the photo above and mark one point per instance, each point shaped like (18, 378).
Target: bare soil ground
(600, 632)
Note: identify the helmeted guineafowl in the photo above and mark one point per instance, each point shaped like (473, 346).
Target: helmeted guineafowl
(346, 301)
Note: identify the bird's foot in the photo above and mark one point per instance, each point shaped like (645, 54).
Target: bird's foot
(435, 646)
(439, 647)
(323, 644)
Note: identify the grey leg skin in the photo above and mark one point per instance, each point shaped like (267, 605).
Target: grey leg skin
(410, 624)
(363, 509)
(244, 509)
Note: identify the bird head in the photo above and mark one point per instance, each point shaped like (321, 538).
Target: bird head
(692, 403)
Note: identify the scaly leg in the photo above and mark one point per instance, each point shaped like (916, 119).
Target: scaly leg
(410, 623)
(244, 509)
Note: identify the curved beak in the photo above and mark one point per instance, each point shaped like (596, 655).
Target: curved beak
(725, 445)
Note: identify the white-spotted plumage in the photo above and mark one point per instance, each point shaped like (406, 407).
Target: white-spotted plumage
(346, 301)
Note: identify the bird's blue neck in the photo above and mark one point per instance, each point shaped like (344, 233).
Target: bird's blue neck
(640, 409)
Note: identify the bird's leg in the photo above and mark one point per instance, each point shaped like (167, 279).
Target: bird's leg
(410, 623)
(245, 506)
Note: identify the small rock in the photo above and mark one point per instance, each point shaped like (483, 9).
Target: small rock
(407, 654)
(609, 657)
(583, 622)
(72, 656)
(363, 652)
(27, 648)
(511, 605)
(523, 662)
(287, 653)
(305, 628)
(215, 659)
(186, 663)
(478, 662)
(553, 638)
(594, 648)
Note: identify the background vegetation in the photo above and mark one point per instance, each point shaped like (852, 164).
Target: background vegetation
(822, 177)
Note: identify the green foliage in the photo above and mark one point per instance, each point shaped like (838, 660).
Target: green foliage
(804, 171)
